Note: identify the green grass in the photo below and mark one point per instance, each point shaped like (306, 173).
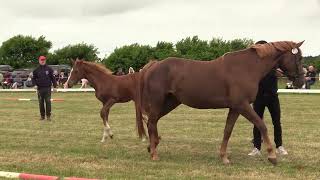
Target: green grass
(70, 145)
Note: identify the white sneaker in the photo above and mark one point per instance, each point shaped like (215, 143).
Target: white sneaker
(255, 152)
(280, 150)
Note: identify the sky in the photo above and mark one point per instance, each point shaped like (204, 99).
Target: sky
(113, 23)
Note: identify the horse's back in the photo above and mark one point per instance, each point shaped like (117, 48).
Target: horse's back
(199, 84)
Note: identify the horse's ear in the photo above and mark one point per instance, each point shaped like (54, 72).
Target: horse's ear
(299, 44)
(72, 61)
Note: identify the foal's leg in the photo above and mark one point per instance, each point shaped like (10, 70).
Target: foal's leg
(104, 113)
(231, 119)
(252, 116)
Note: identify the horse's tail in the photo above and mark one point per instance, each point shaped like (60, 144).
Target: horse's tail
(139, 119)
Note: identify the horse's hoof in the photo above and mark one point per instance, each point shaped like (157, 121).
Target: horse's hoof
(226, 161)
(155, 158)
(143, 139)
(102, 141)
(148, 148)
(273, 160)
(111, 136)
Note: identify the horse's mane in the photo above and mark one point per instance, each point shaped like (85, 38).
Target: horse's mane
(268, 49)
(101, 67)
(149, 64)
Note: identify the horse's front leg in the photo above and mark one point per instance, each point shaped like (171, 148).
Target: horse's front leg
(231, 120)
(104, 115)
(252, 116)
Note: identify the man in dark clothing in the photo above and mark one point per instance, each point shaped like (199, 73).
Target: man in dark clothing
(43, 78)
(268, 97)
(310, 77)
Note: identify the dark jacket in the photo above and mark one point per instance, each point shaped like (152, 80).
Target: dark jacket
(43, 77)
(268, 86)
(312, 75)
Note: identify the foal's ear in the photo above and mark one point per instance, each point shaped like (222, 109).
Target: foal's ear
(299, 44)
(72, 61)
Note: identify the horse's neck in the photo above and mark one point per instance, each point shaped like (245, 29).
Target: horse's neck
(255, 67)
(96, 77)
(267, 64)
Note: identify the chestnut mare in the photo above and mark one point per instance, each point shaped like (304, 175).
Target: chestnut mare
(109, 89)
(231, 81)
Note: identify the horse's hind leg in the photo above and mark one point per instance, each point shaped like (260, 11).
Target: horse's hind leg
(170, 103)
(153, 136)
(231, 119)
(104, 113)
(252, 116)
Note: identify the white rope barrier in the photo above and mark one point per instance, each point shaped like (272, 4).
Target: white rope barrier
(280, 91)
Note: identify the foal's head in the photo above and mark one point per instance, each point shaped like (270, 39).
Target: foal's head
(76, 73)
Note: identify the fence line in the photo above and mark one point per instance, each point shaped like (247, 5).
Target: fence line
(293, 91)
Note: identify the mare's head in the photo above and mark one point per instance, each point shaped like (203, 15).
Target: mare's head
(76, 73)
(289, 58)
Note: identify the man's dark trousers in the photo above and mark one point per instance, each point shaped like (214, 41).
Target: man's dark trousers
(273, 105)
(44, 97)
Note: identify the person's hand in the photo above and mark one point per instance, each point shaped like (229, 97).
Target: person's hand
(65, 85)
(308, 78)
(36, 88)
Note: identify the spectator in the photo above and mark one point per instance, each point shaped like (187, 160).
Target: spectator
(84, 83)
(119, 72)
(15, 85)
(131, 70)
(7, 81)
(310, 77)
(1, 79)
(61, 78)
(56, 75)
(28, 82)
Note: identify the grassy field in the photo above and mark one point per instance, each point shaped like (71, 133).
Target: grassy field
(70, 145)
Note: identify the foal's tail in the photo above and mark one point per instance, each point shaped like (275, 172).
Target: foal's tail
(139, 119)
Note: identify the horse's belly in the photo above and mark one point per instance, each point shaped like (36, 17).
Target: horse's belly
(203, 100)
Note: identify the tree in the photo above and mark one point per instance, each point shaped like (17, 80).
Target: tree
(218, 47)
(81, 51)
(164, 50)
(133, 55)
(312, 60)
(239, 44)
(193, 48)
(23, 51)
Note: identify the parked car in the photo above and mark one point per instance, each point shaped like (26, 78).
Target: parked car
(21, 73)
(5, 68)
(61, 68)
(19, 76)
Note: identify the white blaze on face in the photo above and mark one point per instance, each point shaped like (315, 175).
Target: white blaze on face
(295, 51)
(70, 75)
